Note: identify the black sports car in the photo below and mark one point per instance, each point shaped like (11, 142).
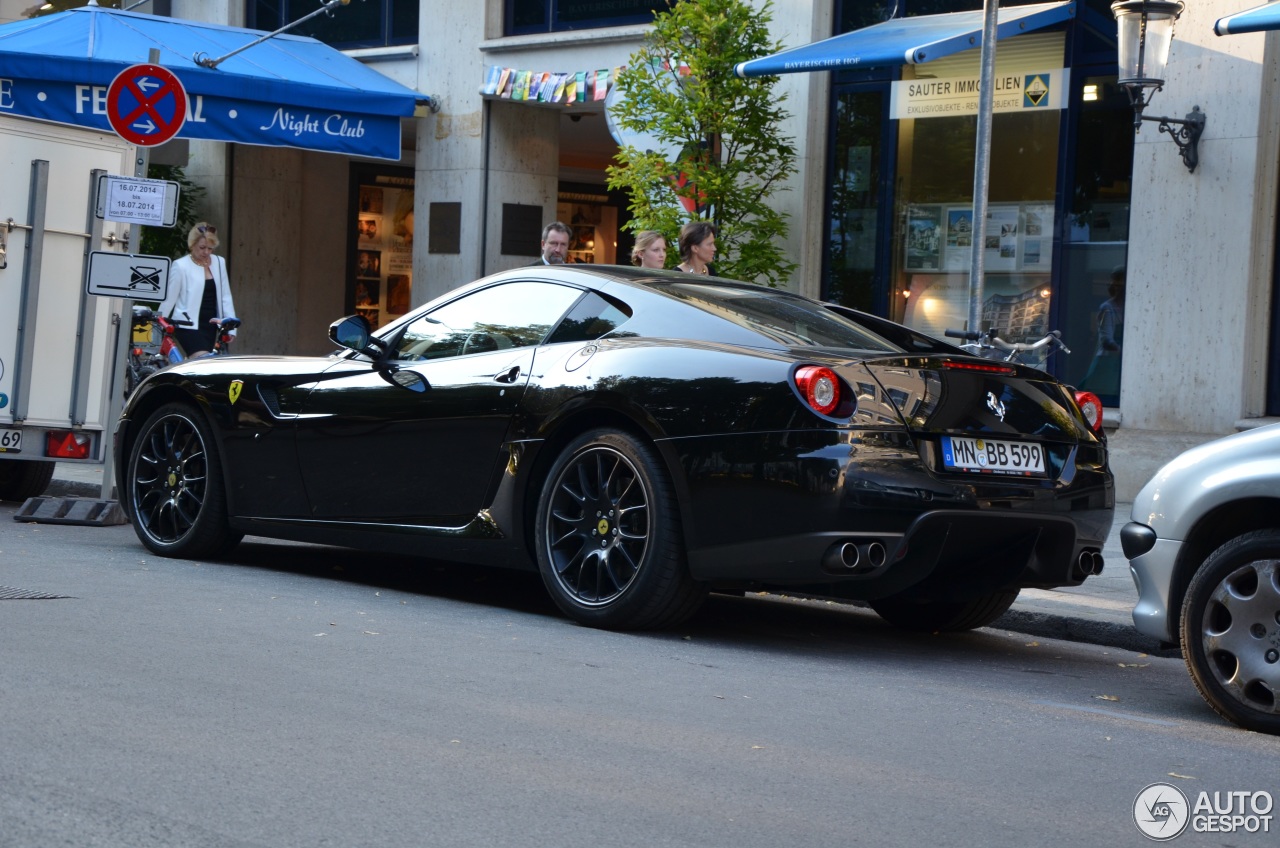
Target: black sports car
(639, 438)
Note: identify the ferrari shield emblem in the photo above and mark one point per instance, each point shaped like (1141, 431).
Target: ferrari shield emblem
(233, 392)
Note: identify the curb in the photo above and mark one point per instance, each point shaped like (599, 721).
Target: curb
(1071, 628)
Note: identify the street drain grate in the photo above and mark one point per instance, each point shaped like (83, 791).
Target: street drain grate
(8, 593)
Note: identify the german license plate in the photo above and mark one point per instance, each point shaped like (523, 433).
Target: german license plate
(10, 441)
(992, 456)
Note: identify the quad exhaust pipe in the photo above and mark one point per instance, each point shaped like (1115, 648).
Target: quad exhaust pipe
(855, 556)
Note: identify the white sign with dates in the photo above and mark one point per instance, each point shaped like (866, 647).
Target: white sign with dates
(133, 200)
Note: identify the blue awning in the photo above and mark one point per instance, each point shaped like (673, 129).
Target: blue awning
(906, 41)
(288, 91)
(1262, 19)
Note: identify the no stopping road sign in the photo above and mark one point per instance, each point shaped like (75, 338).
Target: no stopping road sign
(146, 105)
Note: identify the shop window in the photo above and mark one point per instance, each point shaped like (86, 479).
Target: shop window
(523, 17)
(380, 280)
(1096, 237)
(371, 23)
(936, 230)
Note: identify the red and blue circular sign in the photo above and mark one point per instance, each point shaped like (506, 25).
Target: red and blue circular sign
(146, 105)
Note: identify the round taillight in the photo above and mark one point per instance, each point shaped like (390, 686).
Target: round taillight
(1091, 406)
(820, 387)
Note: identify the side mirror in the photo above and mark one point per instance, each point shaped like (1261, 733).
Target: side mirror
(351, 332)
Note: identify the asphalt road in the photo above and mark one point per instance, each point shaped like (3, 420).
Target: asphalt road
(304, 696)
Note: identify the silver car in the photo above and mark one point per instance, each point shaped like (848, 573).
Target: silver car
(1204, 550)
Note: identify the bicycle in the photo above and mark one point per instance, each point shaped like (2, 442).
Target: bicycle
(173, 352)
(989, 345)
(145, 357)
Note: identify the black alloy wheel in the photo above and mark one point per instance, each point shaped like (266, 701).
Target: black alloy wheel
(608, 536)
(1230, 630)
(176, 494)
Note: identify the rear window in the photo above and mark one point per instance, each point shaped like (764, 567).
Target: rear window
(787, 320)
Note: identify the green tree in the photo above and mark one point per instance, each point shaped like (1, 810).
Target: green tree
(719, 132)
(172, 241)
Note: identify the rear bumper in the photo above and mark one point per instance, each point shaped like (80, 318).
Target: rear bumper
(774, 522)
(946, 554)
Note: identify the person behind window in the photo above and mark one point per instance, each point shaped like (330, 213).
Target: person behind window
(697, 247)
(1103, 376)
(555, 244)
(650, 250)
(199, 292)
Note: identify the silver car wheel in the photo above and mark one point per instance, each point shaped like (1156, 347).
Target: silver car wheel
(1230, 630)
(1239, 634)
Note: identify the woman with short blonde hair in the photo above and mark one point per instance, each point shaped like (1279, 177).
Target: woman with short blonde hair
(650, 250)
(199, 292)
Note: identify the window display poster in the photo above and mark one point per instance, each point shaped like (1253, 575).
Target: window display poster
(924, 238)
(958, 254)
(1037, 237)
(1002, 239)
(381, 283)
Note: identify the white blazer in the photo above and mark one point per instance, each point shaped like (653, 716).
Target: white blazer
(186, 291)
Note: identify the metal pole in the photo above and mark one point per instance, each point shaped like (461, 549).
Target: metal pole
(124, 330)
(982, 162)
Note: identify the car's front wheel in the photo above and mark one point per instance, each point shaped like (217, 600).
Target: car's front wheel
(608, 536)
(1230, 629)
(940, 616)
(176, 493)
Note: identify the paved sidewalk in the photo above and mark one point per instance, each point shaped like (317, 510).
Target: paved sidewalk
(1098, 612)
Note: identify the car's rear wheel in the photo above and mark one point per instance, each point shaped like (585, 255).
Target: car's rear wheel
(944, 616)
(608, 536)
(1230, 629)
(176, 492)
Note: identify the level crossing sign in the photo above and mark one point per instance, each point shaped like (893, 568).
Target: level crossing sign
(146, 105)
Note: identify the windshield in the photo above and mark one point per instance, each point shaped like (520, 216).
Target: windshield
(782, 317)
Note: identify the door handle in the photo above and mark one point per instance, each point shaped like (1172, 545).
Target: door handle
(508, 376)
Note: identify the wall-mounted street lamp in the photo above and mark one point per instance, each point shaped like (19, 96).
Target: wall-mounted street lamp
(1145, 29)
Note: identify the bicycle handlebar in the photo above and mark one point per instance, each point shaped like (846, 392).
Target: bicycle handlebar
(967, 335)
(991, 339)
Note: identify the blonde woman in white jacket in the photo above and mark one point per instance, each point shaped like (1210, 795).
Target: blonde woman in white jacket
(199, 292)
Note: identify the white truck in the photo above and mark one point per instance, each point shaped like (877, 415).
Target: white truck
(57, 343)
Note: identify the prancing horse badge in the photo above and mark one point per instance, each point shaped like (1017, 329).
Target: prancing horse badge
(992, 404)
(233, 391)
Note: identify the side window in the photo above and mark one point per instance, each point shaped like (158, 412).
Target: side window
(494, 318)
(590, 319)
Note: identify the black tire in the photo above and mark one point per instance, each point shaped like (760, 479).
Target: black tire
(1230, 630)
(941, 616)
(176, 494)
(131, 380)
(609, 487)
(24, 478)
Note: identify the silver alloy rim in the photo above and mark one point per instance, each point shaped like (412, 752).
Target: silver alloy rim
(598, 526)
(170, 478)
(1240, 633)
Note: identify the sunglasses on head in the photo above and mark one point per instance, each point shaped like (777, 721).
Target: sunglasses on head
(204, 228)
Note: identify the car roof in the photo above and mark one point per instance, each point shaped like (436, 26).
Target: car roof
(651, 291)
